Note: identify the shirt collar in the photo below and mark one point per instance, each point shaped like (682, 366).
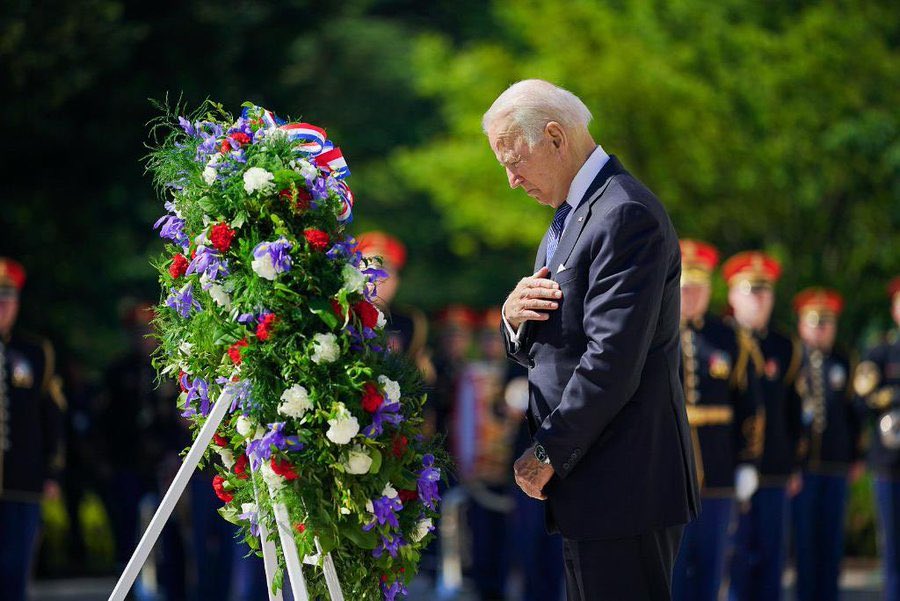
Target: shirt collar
(586, 175)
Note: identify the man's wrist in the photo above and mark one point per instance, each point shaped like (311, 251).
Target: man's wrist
(540, 453)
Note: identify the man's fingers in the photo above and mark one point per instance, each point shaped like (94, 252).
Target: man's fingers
(542, 292)
(527, 315)
(538, 304)
(540, 283)
(542, 272)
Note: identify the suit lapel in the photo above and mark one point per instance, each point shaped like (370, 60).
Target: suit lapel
(580, 216)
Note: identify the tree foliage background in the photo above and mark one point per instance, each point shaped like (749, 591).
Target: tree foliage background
(760, 125)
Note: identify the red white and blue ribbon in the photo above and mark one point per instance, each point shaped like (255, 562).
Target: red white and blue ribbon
(310, 138)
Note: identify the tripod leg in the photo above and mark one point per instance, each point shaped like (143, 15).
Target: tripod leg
(139, 557)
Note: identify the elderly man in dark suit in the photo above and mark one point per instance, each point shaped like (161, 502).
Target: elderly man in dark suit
(598, 327)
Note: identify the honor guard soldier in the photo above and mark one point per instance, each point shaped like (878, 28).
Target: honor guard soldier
(407, 327)
(721, 399)
(31, 444)
(832, 446)
(758, 559)
(877, 382)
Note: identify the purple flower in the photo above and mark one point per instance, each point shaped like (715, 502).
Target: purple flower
(172, 229)
(260, 449)
(183, 300)
(272, 258)
(385, 509)
(209, 263)
(427, 483)
(390, 543)
(317, 188)
(246, 318)
(393, 589)
(196, 390)
(241, 392)
(253, 518)
(345, 251)
(187, 126)
(387, 413)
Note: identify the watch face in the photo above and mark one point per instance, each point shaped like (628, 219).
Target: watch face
(540, 454)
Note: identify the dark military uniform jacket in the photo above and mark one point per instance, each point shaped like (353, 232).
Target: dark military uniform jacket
(31, 425)
(877, 382)
(831, 425)
(722, 400)
(779, 358)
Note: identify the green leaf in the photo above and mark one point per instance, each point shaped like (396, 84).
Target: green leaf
(230, 514)
(376, 461)
(322, 308)
(359, 537)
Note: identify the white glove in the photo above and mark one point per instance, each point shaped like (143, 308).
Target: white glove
(746, 481)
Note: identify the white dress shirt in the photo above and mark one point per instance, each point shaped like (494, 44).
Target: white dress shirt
(582, 180)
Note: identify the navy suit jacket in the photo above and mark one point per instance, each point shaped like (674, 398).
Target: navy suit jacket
(606, 401)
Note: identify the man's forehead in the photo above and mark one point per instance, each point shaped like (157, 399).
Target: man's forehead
(506, 141)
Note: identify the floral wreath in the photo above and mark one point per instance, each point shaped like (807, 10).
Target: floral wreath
(268, 305)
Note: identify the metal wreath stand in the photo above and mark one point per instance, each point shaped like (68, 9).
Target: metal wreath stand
(285, 534)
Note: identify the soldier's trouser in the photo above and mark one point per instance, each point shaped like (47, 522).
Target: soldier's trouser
(818, 518)
(759, 544)
(887, 493)
(701, 560)
(19, 523)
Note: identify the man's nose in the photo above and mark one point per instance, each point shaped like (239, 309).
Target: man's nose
(514, 180)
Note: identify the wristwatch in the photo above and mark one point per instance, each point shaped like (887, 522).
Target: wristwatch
(540, 453)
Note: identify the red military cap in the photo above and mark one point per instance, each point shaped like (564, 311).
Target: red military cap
(753, 268)
(458, 316)
(893, 287)
(817, 304)
(698, 259)
(12, 274)
(380, 244)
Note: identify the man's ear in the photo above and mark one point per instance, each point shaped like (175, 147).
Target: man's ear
(556, 134)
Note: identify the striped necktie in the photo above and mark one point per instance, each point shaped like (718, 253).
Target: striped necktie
(556, 229)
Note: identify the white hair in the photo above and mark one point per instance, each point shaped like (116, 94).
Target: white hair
(529, 105)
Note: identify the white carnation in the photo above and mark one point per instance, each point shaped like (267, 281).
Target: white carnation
(295, 402)
(325, 349)
(227, 458)
(358, 461)
(423, 527)
(264, 267)
(389, 491)
(209, 172)
(220, 297)
(391, 388)
(370, 507)
(343, 427)
(256, 179)
(382, 320)
(244, 426)
(354, 279)
(305, 168)
(273, 480)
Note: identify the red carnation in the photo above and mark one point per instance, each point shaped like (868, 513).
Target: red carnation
(240, 467)
(221, 236)
(367, 313)
(179, 266)
(234, 351)
(264, 329)
(220, 440)
(181, 379)
(300, 198)
(407, 495)
(283, 468)
(318, 240)
(301, 528)
(241, 138)
(399, 446)
(372, 399)
(226, 146)
(219, 486)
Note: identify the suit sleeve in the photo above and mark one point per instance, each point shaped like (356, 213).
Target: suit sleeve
(621, 309)
(517, 350)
